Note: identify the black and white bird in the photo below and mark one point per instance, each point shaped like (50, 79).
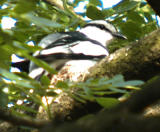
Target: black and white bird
(80, 49)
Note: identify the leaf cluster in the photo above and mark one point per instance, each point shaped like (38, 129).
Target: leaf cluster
(105, 91)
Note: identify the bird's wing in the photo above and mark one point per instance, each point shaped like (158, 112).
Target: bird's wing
(68, 39)
(61, 39)
(58, 46)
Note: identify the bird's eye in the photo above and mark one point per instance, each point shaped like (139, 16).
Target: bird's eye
(101, 26)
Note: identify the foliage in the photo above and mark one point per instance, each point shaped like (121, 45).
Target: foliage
(35, 19)
(102, 90)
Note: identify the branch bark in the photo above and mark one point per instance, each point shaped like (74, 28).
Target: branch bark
(123, 117)
(17, 120)
(140, 60)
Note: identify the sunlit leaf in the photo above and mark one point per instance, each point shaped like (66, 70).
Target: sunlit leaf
(24, 6)
(107, 102)
(95, 2)
(117, 79)
(129, 26)
(127, 83)
(94, 13)
(135, 15)
(40, 21)
(45, 80)
(17, 79)
(115, 89)
(3, 99)
(125, 5)
(25, 108)
(4, 58)
(62, 84)
(79, 99)
(108, 12)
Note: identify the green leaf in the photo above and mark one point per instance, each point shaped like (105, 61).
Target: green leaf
(3, 99)
(107, 102)
(129, 83)
(4, 58)
(125, 5)
(133, 26)
(43, 21)
(40, 21)
(112, 88)
(149, 27)
(17, 79)
(24, 6)
(52, 94)
(79, 98)
(94, 13)
(5, 36)
(88, 91)
(86, 97)
(9, 75)
(102, 93)
(117, 79)
(25, 47)
(148, 16)
(62, 84)
(45, 80)
(136, 16)
(20, 114)
(25, 108)
(108, 12)
(95, 2)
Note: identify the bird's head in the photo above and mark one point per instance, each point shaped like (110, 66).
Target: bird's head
(101, 31)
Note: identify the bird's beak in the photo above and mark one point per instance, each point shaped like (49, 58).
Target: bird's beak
(120, 36)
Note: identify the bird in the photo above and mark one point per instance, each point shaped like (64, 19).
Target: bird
(79, 49)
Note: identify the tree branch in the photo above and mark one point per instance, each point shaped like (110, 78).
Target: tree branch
(16, 120)
(123, 117)
(140, 60)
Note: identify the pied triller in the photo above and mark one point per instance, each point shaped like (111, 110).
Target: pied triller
(82, 49)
